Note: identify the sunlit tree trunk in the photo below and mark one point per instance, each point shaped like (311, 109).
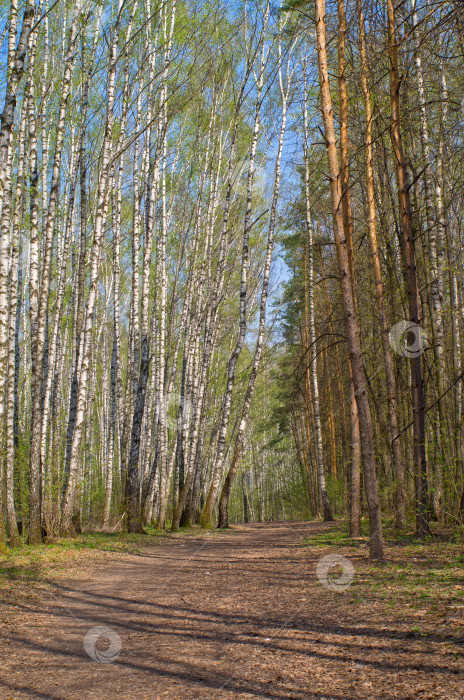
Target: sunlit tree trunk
(13, 334)
(207, 511)
(15, 69)
(355, 466)
(352, 326)
(38, 374)
(101, 207)
(397, 465)
(309, 244)
(410, 276)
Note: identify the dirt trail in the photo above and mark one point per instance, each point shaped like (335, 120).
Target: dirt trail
(232, 615)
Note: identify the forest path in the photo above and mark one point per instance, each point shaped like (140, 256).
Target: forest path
(239, 614)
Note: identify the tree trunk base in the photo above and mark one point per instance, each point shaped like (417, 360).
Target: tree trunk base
(67, 530)
(15, 539)
(206, 524)
(223, 519)
(376, 552)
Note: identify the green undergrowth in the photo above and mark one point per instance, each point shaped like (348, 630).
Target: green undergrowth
(56, 556)
(29, 563)
(422, 575)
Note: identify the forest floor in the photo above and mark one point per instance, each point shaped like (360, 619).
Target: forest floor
(235, 614)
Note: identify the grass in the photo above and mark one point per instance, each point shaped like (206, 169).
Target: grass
(60, 555)
(38, 562)
(424, 575)
(419, 575)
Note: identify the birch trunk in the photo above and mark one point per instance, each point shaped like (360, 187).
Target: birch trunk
(435, 228)
(410, 273)
(312, 328)
(78, 287)
(223, 521)
(13, 336)
(102, 198)
(207, 512)
(15, 70)
(38, 375)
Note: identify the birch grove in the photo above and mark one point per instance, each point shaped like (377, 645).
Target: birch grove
(230, 265)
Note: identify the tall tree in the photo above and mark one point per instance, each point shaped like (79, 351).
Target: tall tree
(410, 272)
(352, 326)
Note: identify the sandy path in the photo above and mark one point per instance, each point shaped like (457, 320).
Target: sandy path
(234, 615)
